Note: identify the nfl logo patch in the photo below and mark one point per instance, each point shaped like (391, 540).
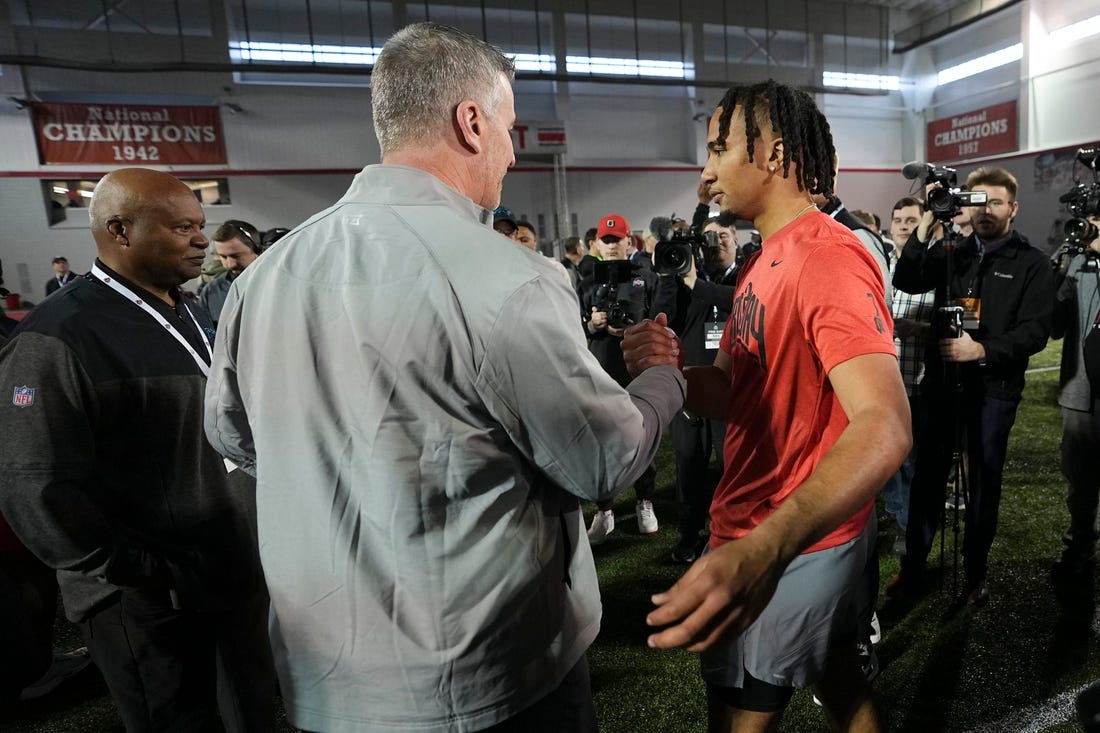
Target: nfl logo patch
(23, 396)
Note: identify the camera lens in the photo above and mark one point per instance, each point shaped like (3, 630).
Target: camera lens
(1079, 230)
(940, 200)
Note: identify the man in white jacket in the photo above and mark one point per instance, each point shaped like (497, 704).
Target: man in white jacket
(423, 418)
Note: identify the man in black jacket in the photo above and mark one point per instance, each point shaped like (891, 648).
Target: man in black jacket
(703, 301)
(637, 296)
(1005, 287)
(106, 474)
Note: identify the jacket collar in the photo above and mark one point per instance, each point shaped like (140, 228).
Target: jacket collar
(400, 185)
(1013, 244)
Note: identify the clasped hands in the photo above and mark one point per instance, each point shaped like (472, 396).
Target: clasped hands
(651, 343)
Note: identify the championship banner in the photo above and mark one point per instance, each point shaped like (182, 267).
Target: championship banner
(974, 134)
(128, 133)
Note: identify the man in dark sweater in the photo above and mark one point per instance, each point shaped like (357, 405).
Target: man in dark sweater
(703, 300)
(106, 474)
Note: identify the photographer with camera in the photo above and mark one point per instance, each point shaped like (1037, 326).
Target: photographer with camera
(1076, 316)
(702, 286)
(616, 295)
(1001, 288)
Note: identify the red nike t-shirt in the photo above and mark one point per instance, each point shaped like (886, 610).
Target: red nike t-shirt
(811, 299)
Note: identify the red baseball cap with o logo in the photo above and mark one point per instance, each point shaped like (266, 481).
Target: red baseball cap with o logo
(614, 225)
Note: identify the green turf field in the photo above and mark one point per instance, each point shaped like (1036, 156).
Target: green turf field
(1006, 667)
(1011, 666)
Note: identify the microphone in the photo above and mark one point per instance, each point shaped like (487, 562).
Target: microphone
(916, 169)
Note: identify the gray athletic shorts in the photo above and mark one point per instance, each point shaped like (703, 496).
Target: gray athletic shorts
(813, 609)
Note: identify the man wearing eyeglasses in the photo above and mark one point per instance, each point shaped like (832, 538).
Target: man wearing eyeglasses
(704, 299)
(1005, 289)
(237, 244)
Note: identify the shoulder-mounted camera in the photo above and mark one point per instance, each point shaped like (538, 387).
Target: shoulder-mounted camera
(1081, 202)
(675, 256)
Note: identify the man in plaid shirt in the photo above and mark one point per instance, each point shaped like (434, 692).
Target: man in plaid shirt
(912, 316)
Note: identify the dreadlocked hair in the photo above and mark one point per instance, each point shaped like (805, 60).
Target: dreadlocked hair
(807, 140)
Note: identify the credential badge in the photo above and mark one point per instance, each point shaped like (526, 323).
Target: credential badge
(23, 396)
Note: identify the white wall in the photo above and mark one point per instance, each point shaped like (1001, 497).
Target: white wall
(634, 150)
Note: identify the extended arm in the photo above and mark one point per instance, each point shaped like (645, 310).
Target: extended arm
(726, 590)
(561, 410)
(920, 267)
(713, 294)
(226, 422)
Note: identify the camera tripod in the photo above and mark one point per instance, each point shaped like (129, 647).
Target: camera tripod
(951, 322)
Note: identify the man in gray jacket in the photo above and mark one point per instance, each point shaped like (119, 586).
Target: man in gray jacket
(424, 427)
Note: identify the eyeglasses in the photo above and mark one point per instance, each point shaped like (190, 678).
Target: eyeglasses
(998, 204)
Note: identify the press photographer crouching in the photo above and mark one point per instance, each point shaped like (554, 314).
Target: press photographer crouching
(1076, 310)
(974, 376)
(617, 294)
(698, 273)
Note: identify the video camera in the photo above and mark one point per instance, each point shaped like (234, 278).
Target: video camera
(1082, 201)
(608, 275)
(675, 256)
(945, 200)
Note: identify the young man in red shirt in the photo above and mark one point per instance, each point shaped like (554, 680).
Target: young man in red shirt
(807, 380)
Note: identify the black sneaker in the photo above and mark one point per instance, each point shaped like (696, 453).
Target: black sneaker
(1073, 565)
(684, 553)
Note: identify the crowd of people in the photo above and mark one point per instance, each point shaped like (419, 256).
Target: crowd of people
(353, 468)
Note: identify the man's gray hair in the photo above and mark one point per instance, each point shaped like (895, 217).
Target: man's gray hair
(661, 228)
(421, 75)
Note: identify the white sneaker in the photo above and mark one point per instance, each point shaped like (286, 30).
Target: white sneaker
(647, 519)
(868, 661)
(876, 628)
(603, 524)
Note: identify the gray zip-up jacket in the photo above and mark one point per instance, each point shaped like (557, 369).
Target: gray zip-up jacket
(422, 415)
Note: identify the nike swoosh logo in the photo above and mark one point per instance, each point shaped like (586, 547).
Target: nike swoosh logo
(776, 262)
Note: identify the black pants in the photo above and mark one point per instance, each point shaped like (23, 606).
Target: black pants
(170, 670)
(1080, 448)
(28, 604)
(643, 488)
(693, 440)
(986, 423)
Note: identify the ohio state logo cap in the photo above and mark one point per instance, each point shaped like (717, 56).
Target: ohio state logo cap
(614, 225)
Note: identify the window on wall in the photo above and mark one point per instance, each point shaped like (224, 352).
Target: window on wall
(330, 36)
(627, 46)
(157, 17)
(64, 195)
